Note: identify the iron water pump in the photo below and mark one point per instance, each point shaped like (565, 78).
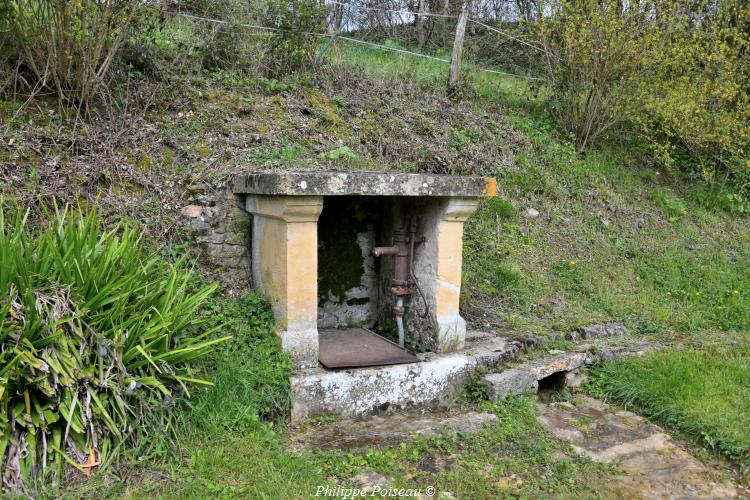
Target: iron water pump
(404, 282)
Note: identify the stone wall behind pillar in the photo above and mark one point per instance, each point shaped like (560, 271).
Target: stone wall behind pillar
(219, 226)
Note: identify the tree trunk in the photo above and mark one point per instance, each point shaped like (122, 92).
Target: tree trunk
(458, 45)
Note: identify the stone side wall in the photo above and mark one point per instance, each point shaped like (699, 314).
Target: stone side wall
(437, 265)
(219, 225)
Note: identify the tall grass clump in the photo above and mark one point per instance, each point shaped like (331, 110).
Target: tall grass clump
(96, 335)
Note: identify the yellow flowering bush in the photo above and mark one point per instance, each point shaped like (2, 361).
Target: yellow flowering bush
(676, 71)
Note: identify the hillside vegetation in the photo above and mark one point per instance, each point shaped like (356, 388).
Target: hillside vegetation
(647, 229)
(615, 235)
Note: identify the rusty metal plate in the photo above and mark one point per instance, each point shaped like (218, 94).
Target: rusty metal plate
(352, 347)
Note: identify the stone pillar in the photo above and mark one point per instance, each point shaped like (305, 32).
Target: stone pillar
(285, 267)
(448, 233)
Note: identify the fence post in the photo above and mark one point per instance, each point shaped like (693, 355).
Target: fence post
(458, 45)
(420, 22)
(340, 18)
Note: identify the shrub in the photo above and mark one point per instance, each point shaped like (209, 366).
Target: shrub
(229, 45)
(68, 47)
(170, 45)
(676, 71)
(96, 334)
(693, 102)
(592, 49)
(292, 48)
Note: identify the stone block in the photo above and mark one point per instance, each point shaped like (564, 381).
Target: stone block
(306, 183)
(548, 365)
(509, 382)
(602, 330)
(284, 267)
(574, 378)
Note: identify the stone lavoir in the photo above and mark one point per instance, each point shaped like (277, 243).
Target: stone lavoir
(342, 255)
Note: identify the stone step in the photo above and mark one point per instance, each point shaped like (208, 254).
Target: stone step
(652, 465)
(526, 376)
(386, 430)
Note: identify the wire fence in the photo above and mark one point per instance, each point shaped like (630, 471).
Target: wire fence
(343, 33)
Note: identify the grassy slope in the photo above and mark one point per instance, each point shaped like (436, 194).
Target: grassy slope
(615, 237)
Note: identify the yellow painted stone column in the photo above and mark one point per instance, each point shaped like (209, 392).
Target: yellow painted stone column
(451, 327)
(285, 268)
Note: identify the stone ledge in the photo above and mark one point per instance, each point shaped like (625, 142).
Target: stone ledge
(600, 330)
(307, 183)
(366, 391)
(526, 376)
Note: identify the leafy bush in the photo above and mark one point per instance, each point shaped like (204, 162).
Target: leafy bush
(96, 334)
(592, 49)
(693, 101)
(170, 45)
(68, 47)
(677, 72)
(292, 48)
(229, 45)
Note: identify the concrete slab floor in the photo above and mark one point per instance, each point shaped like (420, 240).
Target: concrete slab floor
(383, 431)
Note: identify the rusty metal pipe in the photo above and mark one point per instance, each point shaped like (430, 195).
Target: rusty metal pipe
(401, 252)
(380, 251)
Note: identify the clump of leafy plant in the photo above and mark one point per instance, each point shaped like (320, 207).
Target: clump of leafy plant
(96, 333)
(292, 46)
(69, 47)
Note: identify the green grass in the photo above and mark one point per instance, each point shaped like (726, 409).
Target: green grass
(228, 440)
(701, 392)
(430, 74)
